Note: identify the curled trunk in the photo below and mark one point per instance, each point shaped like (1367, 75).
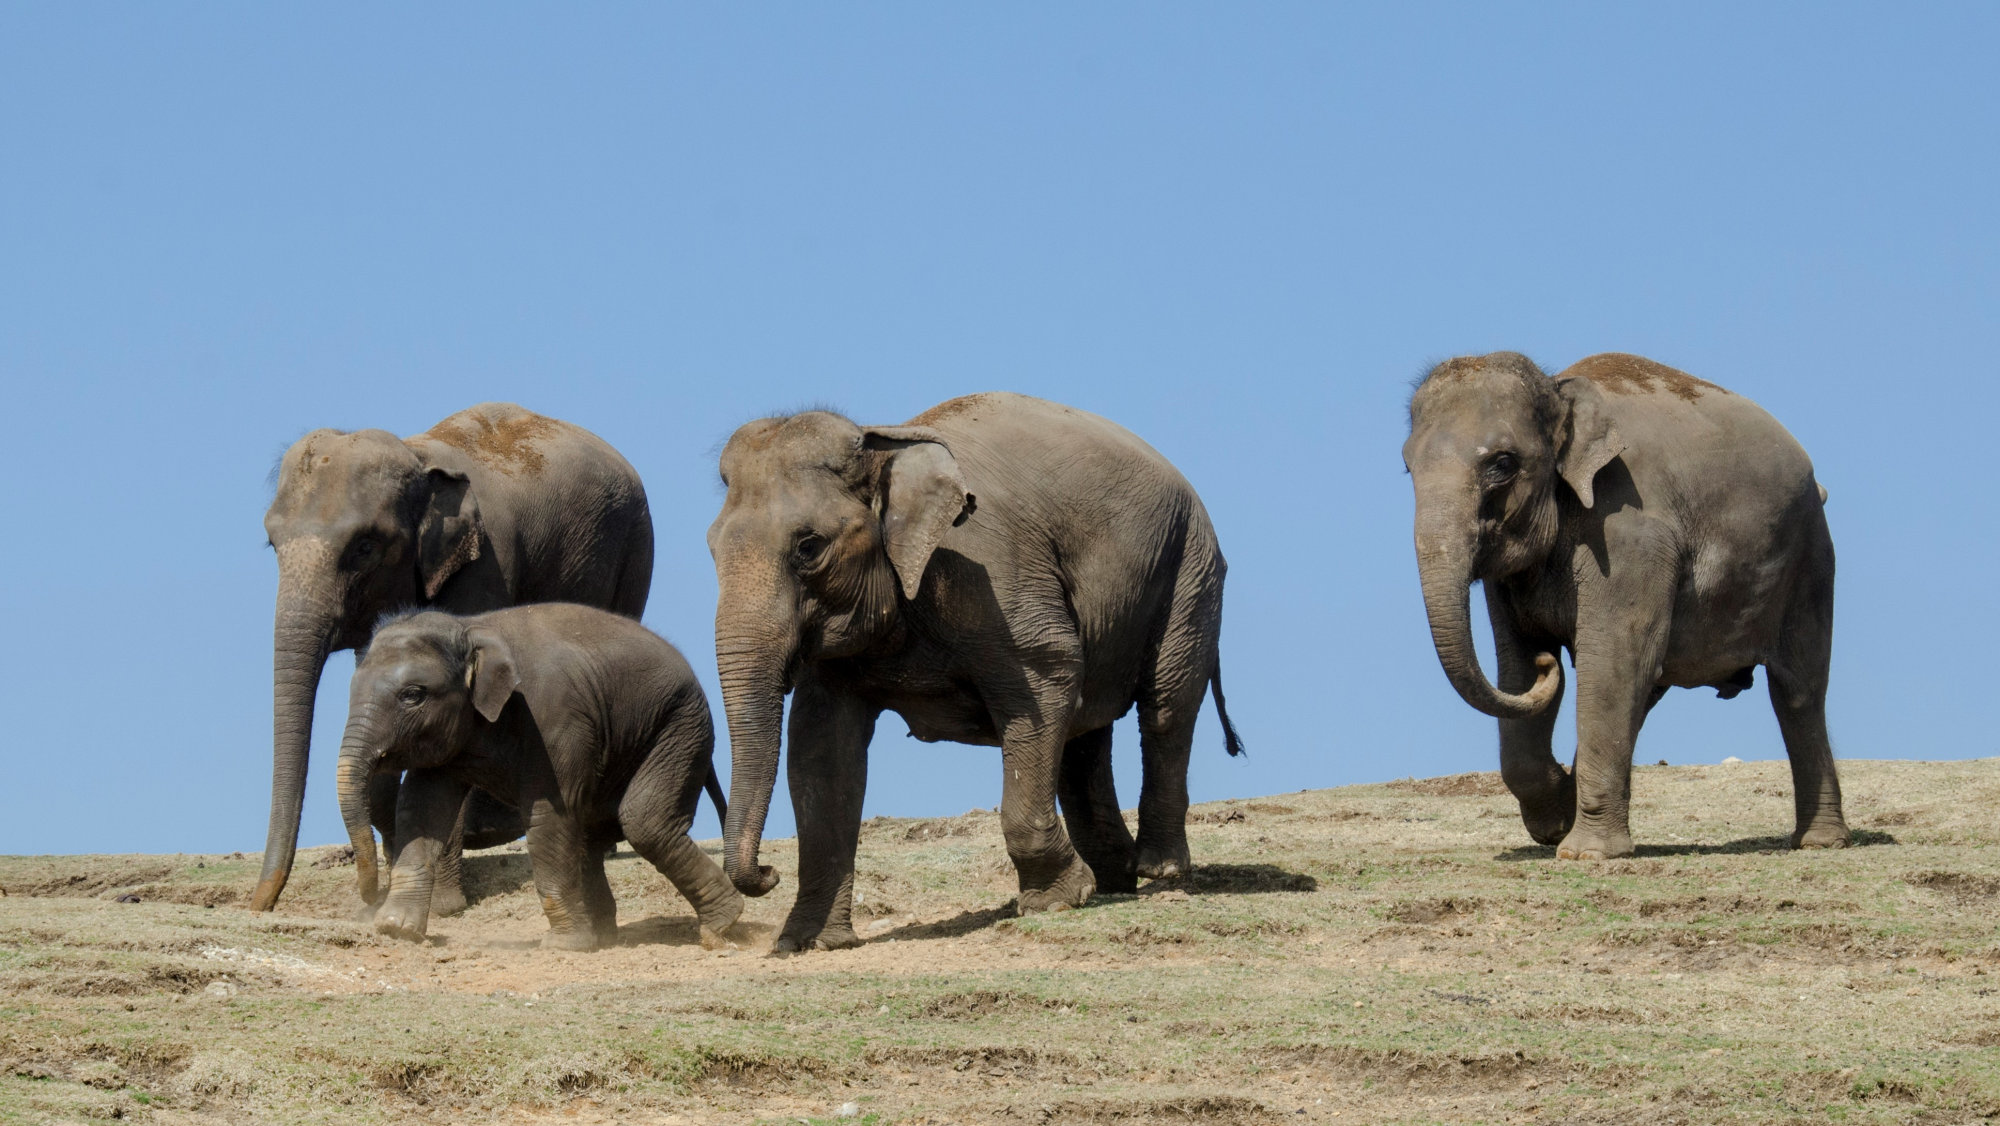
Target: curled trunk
(1445, 568)
(357, 766)
(301, 638)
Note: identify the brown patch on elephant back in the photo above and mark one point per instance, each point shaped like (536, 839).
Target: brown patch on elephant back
(950, 409)
(1625, 374)
(508, 444)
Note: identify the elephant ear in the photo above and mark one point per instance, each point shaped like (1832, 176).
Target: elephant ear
(1589, 440)
(490, 674)
(448, 532)
(921, 496)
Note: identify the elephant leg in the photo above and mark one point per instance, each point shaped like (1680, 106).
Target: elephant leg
(1089, 799)
(1545, 791)
(447, 871)
(556, 844)
(597, 897)
(1798, 696)
(827, 771)
(427, 807)
(1621, 647)
(1052, 876)
(1169, 698)
(1166, 739)
(658, 810)
(382, 793)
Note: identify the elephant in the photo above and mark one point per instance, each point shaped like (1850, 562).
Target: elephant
(492, 507)
(589, 724)
(1665, 531)
(1001, 571)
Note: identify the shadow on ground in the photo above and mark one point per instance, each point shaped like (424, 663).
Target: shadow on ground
(1861, 838)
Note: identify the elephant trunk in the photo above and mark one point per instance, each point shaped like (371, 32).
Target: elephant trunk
(1444, 563)
(754, 648)
(301, 638)
(357, 765)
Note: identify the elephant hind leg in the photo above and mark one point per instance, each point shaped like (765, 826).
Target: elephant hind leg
(1183, 660)
(656, 813)
(1089, 799)
(1798, 696)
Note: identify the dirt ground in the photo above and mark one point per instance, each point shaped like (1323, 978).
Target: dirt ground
(1390, 953)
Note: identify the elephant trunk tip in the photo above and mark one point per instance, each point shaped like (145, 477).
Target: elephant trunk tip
(756, 880)
(1548, 678)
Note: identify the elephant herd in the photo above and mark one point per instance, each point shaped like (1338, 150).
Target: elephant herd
(1003, 571)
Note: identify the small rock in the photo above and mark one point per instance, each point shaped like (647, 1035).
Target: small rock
(1732, 759)
(128, 898)
(1662, 762)
(1174, 895)
(847, 1110)
(223, 989)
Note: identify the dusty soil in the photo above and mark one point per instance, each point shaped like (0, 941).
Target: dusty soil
(1392, 953)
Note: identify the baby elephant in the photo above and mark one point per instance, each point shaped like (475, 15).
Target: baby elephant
(588, 723)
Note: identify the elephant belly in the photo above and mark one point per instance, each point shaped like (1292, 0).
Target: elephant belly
(1727, 614)
(952, 719)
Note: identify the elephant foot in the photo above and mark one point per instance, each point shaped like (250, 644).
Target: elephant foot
(1824, 834)
(400, 921)
(832, 938)
(575, 941)
(1071, 889)
(1587, 844)
(1157, 863)
(718, 925)
(447, 901)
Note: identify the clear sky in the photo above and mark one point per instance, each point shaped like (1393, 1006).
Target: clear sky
(1237, 229)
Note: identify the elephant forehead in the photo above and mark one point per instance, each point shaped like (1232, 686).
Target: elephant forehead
(776, 444)
(409, 645)
(328, 474)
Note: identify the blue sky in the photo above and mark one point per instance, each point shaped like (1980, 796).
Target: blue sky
(1238, 230)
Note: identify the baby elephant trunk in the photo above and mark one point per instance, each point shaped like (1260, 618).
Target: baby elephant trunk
(357, 766)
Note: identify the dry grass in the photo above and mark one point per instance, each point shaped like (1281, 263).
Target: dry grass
(1392, 953)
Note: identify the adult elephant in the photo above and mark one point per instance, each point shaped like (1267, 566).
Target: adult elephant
(1001, 571)
(1667, 532)
(492, 507)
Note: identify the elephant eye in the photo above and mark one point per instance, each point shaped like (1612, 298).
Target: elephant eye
(809, 547)
(412, 695)
(361, 551)
(1502, 467)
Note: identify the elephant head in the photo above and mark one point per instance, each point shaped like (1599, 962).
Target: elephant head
(416, 701)
(1492, 440)
(361, 525)
(824, 534)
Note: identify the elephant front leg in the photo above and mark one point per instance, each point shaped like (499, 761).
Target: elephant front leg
(828, 774)
(1618, 666)
(1053, 877)
(1545, 791)
(427, 806)
(556, 845)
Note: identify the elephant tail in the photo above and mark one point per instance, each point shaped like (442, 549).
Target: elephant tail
(714, 787)
(1229, 737)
